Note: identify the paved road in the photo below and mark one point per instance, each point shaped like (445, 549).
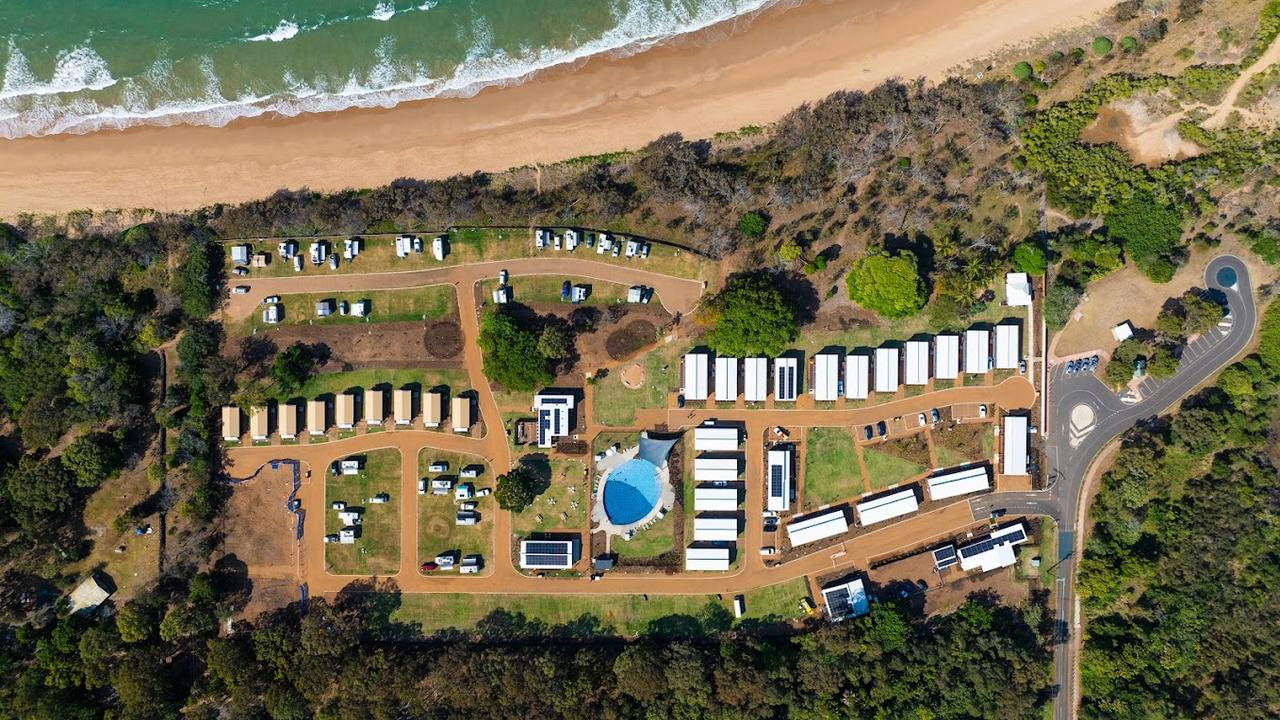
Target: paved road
(1071, 451)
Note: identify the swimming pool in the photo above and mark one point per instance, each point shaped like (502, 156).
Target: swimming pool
(631, 491)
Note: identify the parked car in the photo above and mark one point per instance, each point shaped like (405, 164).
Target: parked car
(1071, 367)
(271, 300)
(1022, 367)
(982, 411)
(920, 419)
(867, 432)
(502, 276)
(680, 401)
(343, 307)
(934, 416)
(768, 550)
(484, 492)
(998, 513)
(240, 289)
(240, 271)
(882, 428)
(1093, 363)
(770, 524)
(429, 566)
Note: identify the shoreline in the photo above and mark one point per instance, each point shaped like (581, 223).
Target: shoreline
(720, 78)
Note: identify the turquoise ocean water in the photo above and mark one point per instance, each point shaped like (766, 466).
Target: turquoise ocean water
(72, 66)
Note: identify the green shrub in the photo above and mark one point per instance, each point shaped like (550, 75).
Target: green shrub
(1149, 230)
(1101, 45)
(1128, 43)
(751, 317)
(752, 224)
(887, 284)
(1022, 71)
(1030, 259)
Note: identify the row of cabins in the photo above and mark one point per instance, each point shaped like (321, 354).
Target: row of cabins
(904, 501)
(855, 375)
(717, 495)
(342, 411)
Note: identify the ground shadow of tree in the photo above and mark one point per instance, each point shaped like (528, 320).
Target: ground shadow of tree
(375, 601)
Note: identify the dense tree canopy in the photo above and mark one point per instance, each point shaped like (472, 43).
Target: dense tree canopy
(517, 488)
(887, 284)
(1150, 231)
(751, 317)
(511, 353)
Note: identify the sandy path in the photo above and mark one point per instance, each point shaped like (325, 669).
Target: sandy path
(1228, 104)
(720, 79)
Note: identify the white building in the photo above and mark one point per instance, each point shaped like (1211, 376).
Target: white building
(726, 379)
(756, 379)
(240, 254)
(857, 377)
(715, 499)
(548, 554)
(555, 414)
(946, 357)
(1017, 290)
(230, 423)
(715, 469)
(995, 551)
(706, 558)
(977, 352)
(888, 506)
(715, 529)
(786, 379)
(1008, 346)
(710, 438)
(778, 480)
(696, 371)
(845, 600)
(959, 482)
(1122, 332)
(917, 352)
(886, 370)
(817, 527)
(1015, 445)
(826, 377)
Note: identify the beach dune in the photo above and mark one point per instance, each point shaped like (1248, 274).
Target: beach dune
(740, 73)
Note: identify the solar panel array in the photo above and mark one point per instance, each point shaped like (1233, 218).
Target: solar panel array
(546, 548)
(839, 602)
(968, 551)
(945, 557)
(530, 560)
(775, 480)
(788, 389)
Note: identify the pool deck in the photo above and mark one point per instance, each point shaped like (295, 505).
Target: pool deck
(666, 497)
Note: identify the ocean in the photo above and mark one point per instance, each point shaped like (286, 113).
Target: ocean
(75, 66)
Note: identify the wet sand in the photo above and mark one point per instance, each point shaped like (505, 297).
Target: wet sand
(725, 77)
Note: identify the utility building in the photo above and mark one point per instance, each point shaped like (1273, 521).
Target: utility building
(1015, 445)
(786, 379)
(715, 529)
(726, 379)
(817, 527)
(977, 352)
(857, 376)
(778, 480)
(756, 379)
(959, 482)
(696, 370)
(888, 506)
(707, 558)
(715, 499)
(886, 370)
(826, 377)
(708, 438)
(995, 551)
(917, 352)
(946, 357)
(555, 414)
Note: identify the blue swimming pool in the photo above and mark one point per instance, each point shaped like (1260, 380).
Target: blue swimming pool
(631, 491)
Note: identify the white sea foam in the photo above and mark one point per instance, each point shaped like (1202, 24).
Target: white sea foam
(428, 4)
(384, 11)
(285, 30)
(385, 84)
(74, 70)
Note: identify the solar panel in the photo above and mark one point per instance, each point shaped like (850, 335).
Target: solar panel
(944, 557)
(546, 560)
(982, 546)
(775, 481)
(546, 548)
(838, 601)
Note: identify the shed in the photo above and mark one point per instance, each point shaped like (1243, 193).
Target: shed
(460, 414)
(716, 439)
(1122, 332)
(715, 469)
(946, 357)
(887, 370)
(857, 376)
(231, 430)
(1017, 290)
(756, 379)
(917, 352)
(726, 378)
(89, 594)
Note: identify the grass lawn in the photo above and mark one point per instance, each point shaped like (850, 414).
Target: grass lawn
(831, 467)
(558, 499)
(775, 603)
(323, 383)
(377, 549)
(948, 457)
(615, 405)
(987, 439)
(886, 470)
(546, 288)
(424, 303)
(509, 400)
(437, 529)
(651, 542)
(628, 615)
(623, 440)
(962, 443)
(466, 245)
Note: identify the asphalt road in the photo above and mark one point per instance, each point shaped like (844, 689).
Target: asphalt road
(1070, 452)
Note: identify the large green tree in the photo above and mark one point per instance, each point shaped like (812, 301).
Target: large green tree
(511, 354)
(1150, 230)
(517, 488)
(751, 317)
(887, 284)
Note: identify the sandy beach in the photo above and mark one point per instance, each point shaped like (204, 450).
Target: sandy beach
(722, 78)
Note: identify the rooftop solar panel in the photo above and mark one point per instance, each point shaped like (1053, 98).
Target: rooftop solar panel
(775, 481)
(546, 560)
(838, 601)
(982, 546)
(546, 548)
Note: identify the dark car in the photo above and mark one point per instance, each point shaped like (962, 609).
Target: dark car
(428, 567)
(868, 432)
(770, 524)
(882, 428)
(1093, 363)
(680, 401)
(934, 416)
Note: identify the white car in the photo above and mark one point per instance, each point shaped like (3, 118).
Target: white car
(982, 411)
(271, 300)
(502, 277)
(240, 289)
(921, 419)
(240, 271)
(768, 550)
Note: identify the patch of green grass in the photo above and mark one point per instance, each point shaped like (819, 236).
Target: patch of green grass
(437, 529)
(423, 303)
(606, 440)
(776, 603)
(377, 549)
(323, 383)
(831, 467)
(615, 405)
(948, 457)
(886, 470)
(546, 288)
(628, 615)
(556, 500)
(648, 543)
